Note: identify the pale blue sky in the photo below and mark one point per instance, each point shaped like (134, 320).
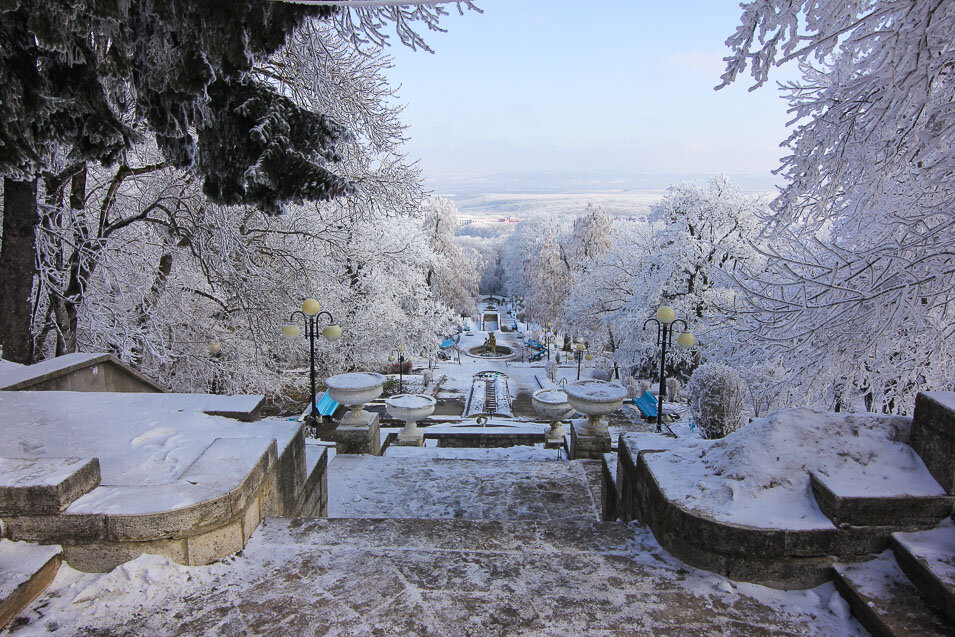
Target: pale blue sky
(605, 93)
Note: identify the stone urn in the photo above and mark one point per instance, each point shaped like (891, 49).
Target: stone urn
(595, 399)
(410, 408)
(354, 390)
(552, 404)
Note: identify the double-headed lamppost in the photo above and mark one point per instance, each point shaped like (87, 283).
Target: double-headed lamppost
(399, 353)
(311, 315)
(579, 349)
(665, 321)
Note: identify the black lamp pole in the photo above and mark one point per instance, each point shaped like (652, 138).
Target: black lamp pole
(579, 355)
(664, 339)
(311, 331)
(401, 364)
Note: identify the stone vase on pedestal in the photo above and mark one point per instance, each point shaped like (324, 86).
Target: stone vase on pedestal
(410, 408)
(552, 404)
(358, 429)
(595, 399)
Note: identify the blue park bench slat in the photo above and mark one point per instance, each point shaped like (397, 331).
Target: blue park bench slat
(535, 344)
(647, 404)
(327, 406)
(536, 357)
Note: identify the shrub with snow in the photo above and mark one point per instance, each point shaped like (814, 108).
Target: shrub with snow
(551, 370)
(716, 399)
(601, 373)
(634, 387)
(674, 389)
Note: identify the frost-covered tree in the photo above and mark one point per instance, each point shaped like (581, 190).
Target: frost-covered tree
(189, 272)
(858, 287)
(454, 272)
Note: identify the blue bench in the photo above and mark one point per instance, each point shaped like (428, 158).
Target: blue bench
(647, 404)
(536, 357)
(326, 406)
(535, 344)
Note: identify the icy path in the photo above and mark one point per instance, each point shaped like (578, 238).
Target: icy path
(430, 577)
(425, 486)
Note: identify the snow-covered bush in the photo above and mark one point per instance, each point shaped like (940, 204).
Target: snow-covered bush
(551, 370)
(634, 387)
(601, 372)
(674, 389)
(716, 399)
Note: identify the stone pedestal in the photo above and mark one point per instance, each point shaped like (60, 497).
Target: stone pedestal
(554, 437)
(414, 439)
(587, 444)
(359, 438)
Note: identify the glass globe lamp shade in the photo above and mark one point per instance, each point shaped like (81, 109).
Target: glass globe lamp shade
(332, 332)
(686, 339)
(666, 314)
(311, 307)
(215, 348)
(580, 347)
(291, 331)
(589, 357)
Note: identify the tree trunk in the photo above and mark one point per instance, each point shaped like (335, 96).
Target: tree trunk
(18, 269)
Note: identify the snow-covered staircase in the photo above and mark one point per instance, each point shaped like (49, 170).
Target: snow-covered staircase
(910, 588)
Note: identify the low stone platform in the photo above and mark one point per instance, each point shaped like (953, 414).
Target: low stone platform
(110, 476)
(425, 486)
(433, 577)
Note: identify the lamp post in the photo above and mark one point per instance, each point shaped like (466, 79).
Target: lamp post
(549, 338)
(215, 351)
(665, 320)
(310, 314)
(579, 349)
(399, 351)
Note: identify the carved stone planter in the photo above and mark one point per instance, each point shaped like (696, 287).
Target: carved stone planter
(595, 399)
(410, 408)
(552, 404)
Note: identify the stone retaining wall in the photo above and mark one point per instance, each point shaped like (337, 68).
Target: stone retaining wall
(780, 558)
(97, 535)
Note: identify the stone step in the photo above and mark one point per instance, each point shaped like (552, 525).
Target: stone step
(26, 570)
(885, 602)
(928, 559)
(921, 505)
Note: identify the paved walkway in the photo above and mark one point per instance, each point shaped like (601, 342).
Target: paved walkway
(429, 577)
(429, 487)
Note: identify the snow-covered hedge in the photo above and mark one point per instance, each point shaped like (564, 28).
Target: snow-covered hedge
(716, 399)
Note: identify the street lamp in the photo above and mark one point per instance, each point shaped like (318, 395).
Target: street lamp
(310, 314)
(549, 338)
(399, 351)
(579, 349)
(665, 320)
